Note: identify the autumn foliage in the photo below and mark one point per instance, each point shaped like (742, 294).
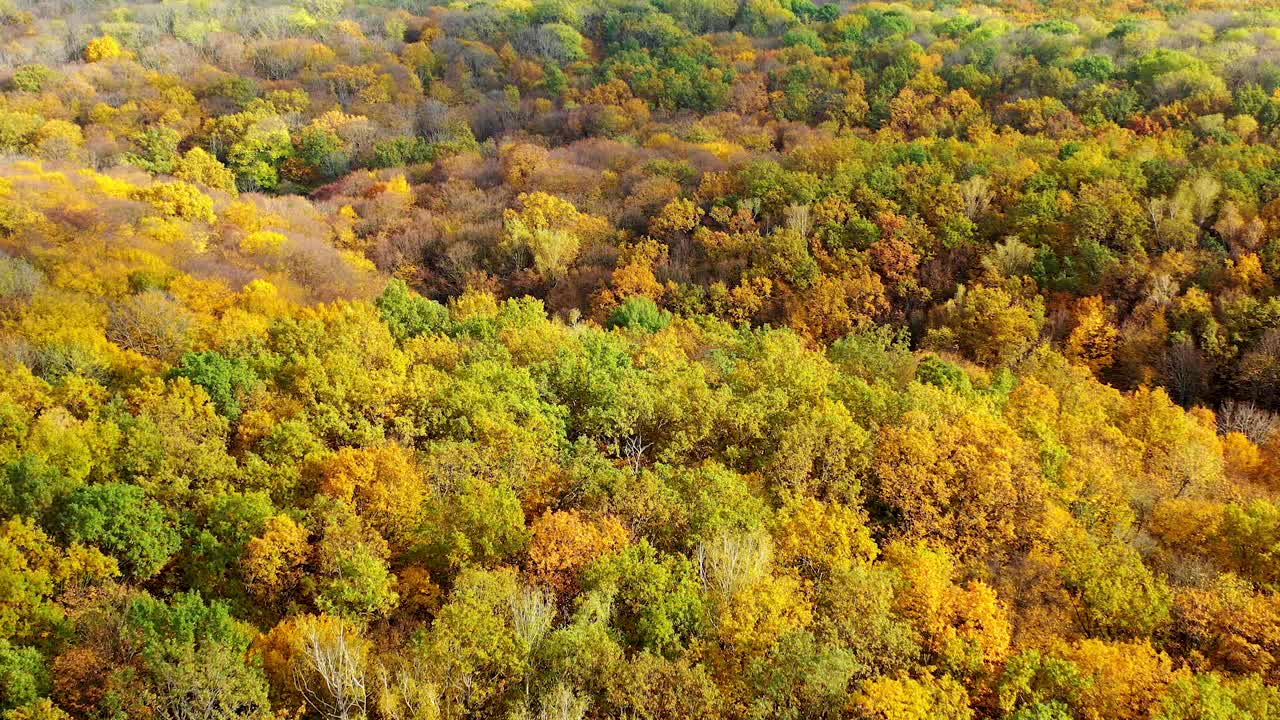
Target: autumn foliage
(598, 360)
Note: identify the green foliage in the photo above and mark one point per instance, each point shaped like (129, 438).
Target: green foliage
(686, 359)
(32, 486)
(125, 524)
(656, 602)
(408, 314)
(260, 144)
(1095, 67)
(480, 524)
(639, 313)
(194, 652)
(227, 380)
(1117, 595)
(933, 370)
(158, 150)
(23, 675)
(399, 151)
(32, 78)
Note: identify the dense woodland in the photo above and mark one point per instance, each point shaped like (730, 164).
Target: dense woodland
(639, 360)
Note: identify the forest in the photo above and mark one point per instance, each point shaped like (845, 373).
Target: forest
(640, 360)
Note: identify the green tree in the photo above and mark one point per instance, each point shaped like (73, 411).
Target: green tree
(638, 313)
(656, 599)
(227, 380)
(124, 523)
(408, 314)
(157, 149)
(24, 677)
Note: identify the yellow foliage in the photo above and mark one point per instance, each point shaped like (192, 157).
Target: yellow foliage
(634, 279)
(822, 538)
(198, 166)
(177, 199)
(758, 615)
(676, 217)
(202, 295)
(979, 634)
(336, 120)
(957, 479)
(722, 149)
(171, 231)
(1127, 679)
(540, 210)
(102, 48)
(635, 273)
(243, 215)
(830, 309)
(383, 483)
(110, 186)
(398, 185)
(749, 298)
(57, 140)
(1247, 272)
(1093, 340)
(1187, 525)
(262, 297)
(293, 653)
(273, 562)
(358, 261)
(966, 627)
(1181, 451)
(263, 242)
(905, 698)
(473, 304)
(549, 230)
(564, 543)
(419, 594)
(520, 161)
(1234, 624)
(1244, 460)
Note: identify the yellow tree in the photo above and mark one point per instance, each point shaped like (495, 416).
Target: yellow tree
(903, 697)
(966, 627)
(564, 542)
(959, 477)
(548, 232)
(1126, 680)
(757, 616)
(820, 538)
(102, 48)
(1092, 342)
(274, 562)
(383, 483)
(988, 324)
(1233, 626)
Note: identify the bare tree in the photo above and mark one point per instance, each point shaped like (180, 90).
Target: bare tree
(799, 218)
(731, 561)
(1258, 374)
(210, 683)
(329, 673)
(976, 192)
(1163, 290)
(532, 612)
(1200, 195)
(407, 691)
(1185, 373)
(1248, 419)
(152, 324)
(1010, 258)
(562, 704)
